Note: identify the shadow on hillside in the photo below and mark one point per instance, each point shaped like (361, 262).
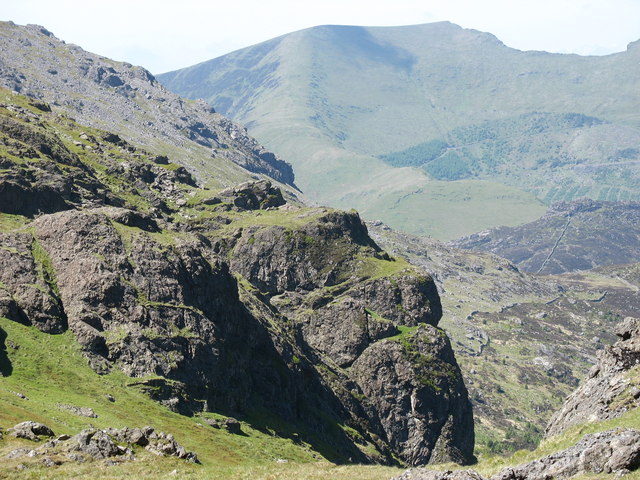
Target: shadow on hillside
(5, 364)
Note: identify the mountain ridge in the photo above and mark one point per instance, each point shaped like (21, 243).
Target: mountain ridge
(350, 94)
(119, 96)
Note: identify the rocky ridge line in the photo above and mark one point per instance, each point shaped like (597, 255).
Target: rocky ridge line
(126, 99)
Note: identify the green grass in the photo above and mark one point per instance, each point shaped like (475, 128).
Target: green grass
(10, 222)
(50, 369)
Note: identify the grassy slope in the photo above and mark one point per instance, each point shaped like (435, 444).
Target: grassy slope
(49, 369)
(329, 99)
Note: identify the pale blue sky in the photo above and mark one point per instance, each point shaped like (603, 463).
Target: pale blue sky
(164, 35)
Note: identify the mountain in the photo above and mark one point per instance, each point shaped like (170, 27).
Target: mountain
(127, 99)
(433, 129)
(571, 236)
(133, 288)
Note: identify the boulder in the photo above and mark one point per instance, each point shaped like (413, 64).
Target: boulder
(258, 195)
(31, 431)
(95, 443)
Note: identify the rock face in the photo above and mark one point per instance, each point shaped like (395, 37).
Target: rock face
(234, 305)
(612, 386)
(127, 99)
(416, 389)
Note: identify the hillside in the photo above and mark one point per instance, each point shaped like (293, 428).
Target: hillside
(405, 123)
(232, 303)
(127, 99)
(571, 236)
(522, 340)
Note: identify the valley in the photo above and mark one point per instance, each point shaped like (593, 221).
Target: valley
(175, 302)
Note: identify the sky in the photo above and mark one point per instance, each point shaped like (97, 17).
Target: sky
(164, 35)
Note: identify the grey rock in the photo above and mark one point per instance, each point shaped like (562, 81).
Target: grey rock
(18, 452)
(49, 462)
(599, 453)
(81, 411)
(607, 392)
(31, 431)
(257, 195)
(95, 443)
(164, 445)
(424, 474)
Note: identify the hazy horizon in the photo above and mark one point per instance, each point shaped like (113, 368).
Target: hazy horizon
(164, 36)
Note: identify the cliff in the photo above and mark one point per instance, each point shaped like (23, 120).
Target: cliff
(229, 301)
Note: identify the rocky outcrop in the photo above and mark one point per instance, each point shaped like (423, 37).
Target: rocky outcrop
(230, 306)
(259, 195)
(610, 452)
(612, 386)
(415, 387)
(382, 328)
(93, 444)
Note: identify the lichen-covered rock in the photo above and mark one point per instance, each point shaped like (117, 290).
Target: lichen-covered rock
(611, 387)
(414, 386)
(31, 431)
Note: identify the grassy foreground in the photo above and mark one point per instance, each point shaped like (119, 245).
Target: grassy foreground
(50, 370)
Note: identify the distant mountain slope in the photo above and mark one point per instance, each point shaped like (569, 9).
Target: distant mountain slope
(333, 100)
(573, 236)
(120, 97)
